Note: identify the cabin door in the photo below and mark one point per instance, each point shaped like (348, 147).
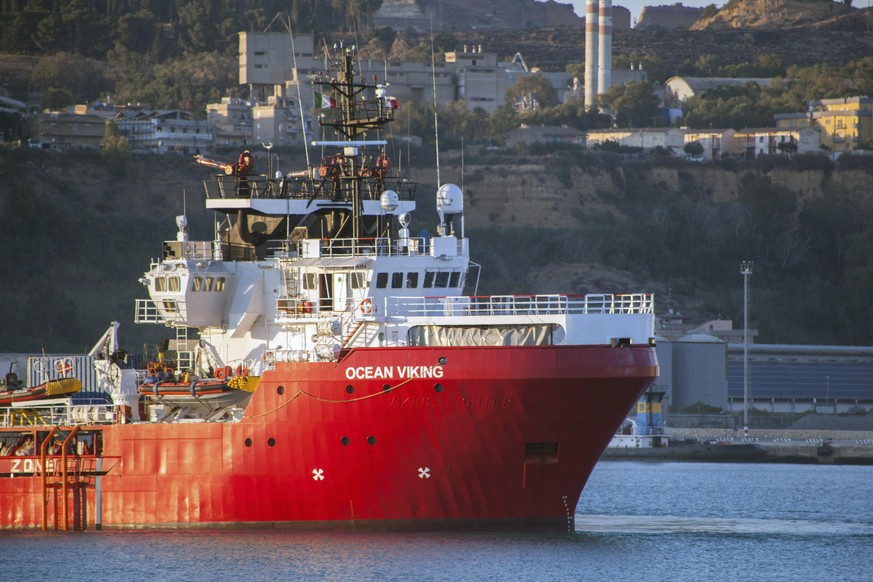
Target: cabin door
(340, 291)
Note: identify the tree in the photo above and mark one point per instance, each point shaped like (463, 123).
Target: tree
(694, 149)
(787, 147)
(113, 141)
(534, 86)
(633, 105)
(115, 149)
(56, 99)
(136, 32)
(77, 76)
(731, 106)
(501, 122)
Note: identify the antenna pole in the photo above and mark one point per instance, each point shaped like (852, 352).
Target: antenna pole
(436, 125)
(299, 99)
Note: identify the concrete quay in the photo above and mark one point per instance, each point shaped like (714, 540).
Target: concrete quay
(825, 447)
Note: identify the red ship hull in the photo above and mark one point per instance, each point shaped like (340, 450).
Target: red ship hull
(385, 438)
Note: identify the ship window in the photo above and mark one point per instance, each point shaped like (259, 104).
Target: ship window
(309, 281)
(197, 284)
(210, 281)
(359, 280)
(219, 283)
(169, 305)
(455, 279)
(396, 280)
(442, 279)
(411, 280)
(381, 280)
(160, 283)
(428, 279)
(174, 284)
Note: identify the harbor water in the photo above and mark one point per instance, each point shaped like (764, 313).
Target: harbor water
(636, 521)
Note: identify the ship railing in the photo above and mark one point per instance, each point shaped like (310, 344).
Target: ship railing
(347, 247)
(549, 304)
(303, 187)
(199, 250)
(147, 312)
(256, 186)
(57, 412)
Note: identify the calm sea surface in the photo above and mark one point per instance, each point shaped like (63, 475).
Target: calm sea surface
(636, 521)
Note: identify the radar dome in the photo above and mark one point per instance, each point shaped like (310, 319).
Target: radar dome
(389, 201)
(450, 199)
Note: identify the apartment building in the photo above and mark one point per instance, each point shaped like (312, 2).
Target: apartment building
(844, 124)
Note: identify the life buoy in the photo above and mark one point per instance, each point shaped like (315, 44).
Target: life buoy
(64, 367)
(307, 307)
(366, 307)
(223, 373)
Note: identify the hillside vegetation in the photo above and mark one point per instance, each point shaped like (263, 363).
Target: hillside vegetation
(80, 231)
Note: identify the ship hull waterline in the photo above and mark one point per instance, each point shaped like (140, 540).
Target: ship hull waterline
(430, 438)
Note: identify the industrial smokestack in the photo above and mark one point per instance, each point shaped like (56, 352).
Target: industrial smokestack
(590, 54)
(604, 48)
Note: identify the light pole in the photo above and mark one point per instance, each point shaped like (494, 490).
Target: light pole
(746, 271)
(268, 147)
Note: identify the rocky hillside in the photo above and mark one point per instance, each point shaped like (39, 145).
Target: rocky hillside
(83, 230)
(774, 14)
(834, 42)
(802, 32)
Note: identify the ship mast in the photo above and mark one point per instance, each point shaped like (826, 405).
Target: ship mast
(355, 115)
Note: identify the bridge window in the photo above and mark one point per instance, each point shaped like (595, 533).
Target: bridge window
(309, 281)
(219, 283)
(411, 280)
(455, 279)
(197, 284)
(381, 280)
(160, 284)
(428, 279)
(359, 280)
(396, 280)
(175, 284)
(442, 279)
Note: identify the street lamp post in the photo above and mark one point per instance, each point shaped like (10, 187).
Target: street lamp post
(746, 271)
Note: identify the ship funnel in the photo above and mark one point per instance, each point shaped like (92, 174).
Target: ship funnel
(450, 202)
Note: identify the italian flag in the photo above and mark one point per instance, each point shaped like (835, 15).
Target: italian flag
(323, 101)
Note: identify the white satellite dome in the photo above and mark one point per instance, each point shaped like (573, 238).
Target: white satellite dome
(450, 199)
(389, 201)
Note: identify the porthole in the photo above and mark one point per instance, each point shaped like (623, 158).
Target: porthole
(371, 440)
(442, 360)
(248, 442)
(271, 442)
(344, 441)
(280, 390)
(386, 387)
(437, 388)
(350, 389)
